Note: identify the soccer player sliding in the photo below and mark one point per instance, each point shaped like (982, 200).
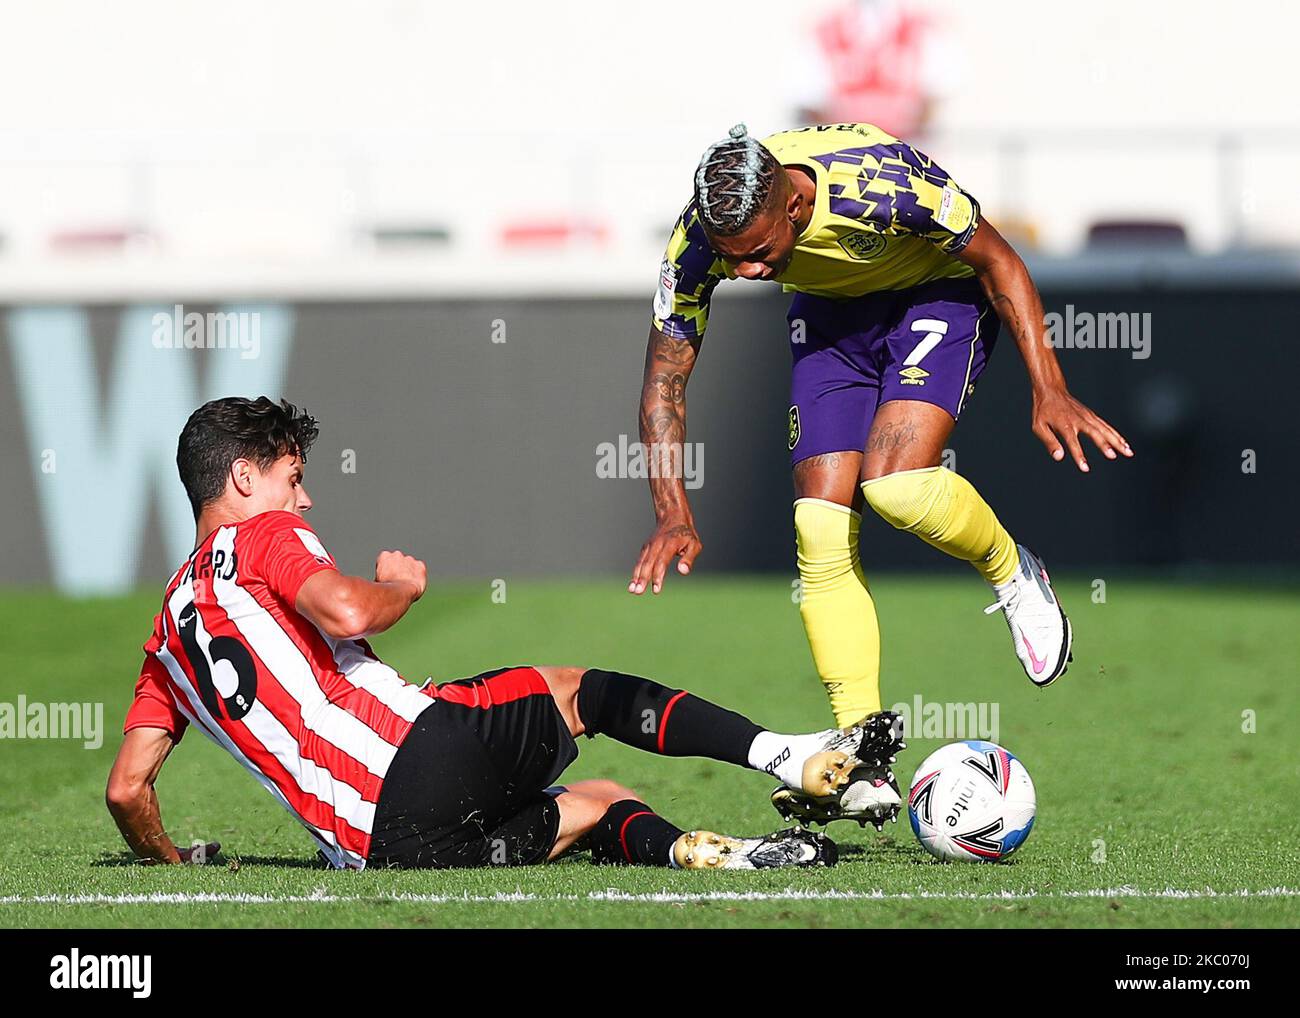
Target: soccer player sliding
(261, 644)
(899, 286)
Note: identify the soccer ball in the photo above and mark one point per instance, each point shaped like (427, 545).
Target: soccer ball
(971, 802)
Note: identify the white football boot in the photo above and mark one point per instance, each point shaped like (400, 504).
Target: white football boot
(829, 758)
(872, 796)
(864, 789)
(1040, 632)
(704, 850)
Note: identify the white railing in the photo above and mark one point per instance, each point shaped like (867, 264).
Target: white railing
(257, 210)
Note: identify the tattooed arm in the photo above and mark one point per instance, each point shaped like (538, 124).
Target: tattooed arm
(1057, 416)
(668, 364)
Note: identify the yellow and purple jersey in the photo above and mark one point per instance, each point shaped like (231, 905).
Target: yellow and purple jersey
(885, 217)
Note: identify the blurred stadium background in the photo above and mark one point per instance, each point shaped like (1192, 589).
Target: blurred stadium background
(449, 219)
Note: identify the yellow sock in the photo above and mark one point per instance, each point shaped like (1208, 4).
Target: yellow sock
(943, 509)
(838, 613)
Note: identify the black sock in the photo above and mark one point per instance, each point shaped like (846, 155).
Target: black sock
(652, 717)
(631, 832)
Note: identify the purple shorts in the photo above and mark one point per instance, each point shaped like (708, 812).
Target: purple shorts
(928, 343)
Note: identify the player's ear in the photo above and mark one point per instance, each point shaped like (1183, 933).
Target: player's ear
(242, 476)
(794, 205)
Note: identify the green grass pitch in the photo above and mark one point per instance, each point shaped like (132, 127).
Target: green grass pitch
(1155, 807)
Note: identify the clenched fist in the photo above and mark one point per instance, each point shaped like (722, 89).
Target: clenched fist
(398, 567)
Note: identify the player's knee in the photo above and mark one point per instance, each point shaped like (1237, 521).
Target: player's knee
(615, 792)
(838, 487)
(579, 813)
(605, 792)
(903, 499)
(564, 682)
(585, 804)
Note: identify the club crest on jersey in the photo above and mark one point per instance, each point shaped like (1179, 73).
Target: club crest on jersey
(862, 246)
(914, 375)
(794, 427)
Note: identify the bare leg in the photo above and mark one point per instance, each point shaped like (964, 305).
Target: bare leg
(831, 477)
(582, 804)
(906, 435)
(622, 829)
(563, 682)
(642, 713)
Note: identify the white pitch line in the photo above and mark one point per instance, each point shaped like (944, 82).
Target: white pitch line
(321, 896)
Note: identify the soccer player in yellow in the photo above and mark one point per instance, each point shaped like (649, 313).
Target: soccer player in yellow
(900, 285)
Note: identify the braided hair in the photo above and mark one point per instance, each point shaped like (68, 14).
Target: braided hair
(734, 182)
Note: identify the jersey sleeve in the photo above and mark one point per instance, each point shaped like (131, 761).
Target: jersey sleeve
(689, 272)
(903, 192)
(284, 552)
(154, 705)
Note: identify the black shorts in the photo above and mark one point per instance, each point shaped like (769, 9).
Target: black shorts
(467, 786)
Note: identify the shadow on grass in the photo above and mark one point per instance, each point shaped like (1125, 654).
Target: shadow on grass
(297, 862)
(113, 860)
(881, 850)
(894, 852)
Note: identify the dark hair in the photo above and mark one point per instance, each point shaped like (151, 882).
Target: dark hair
(224, 430)
(734, 182)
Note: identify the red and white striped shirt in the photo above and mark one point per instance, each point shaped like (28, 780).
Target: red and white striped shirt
(316, 720)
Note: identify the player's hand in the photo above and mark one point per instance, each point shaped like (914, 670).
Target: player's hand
(671, 539)
(398, 567)
(199, 854)
(1058, 421)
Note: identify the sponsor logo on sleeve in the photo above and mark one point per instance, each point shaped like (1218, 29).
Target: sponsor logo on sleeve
(666, 290)
(312, 543)
(955, 210)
